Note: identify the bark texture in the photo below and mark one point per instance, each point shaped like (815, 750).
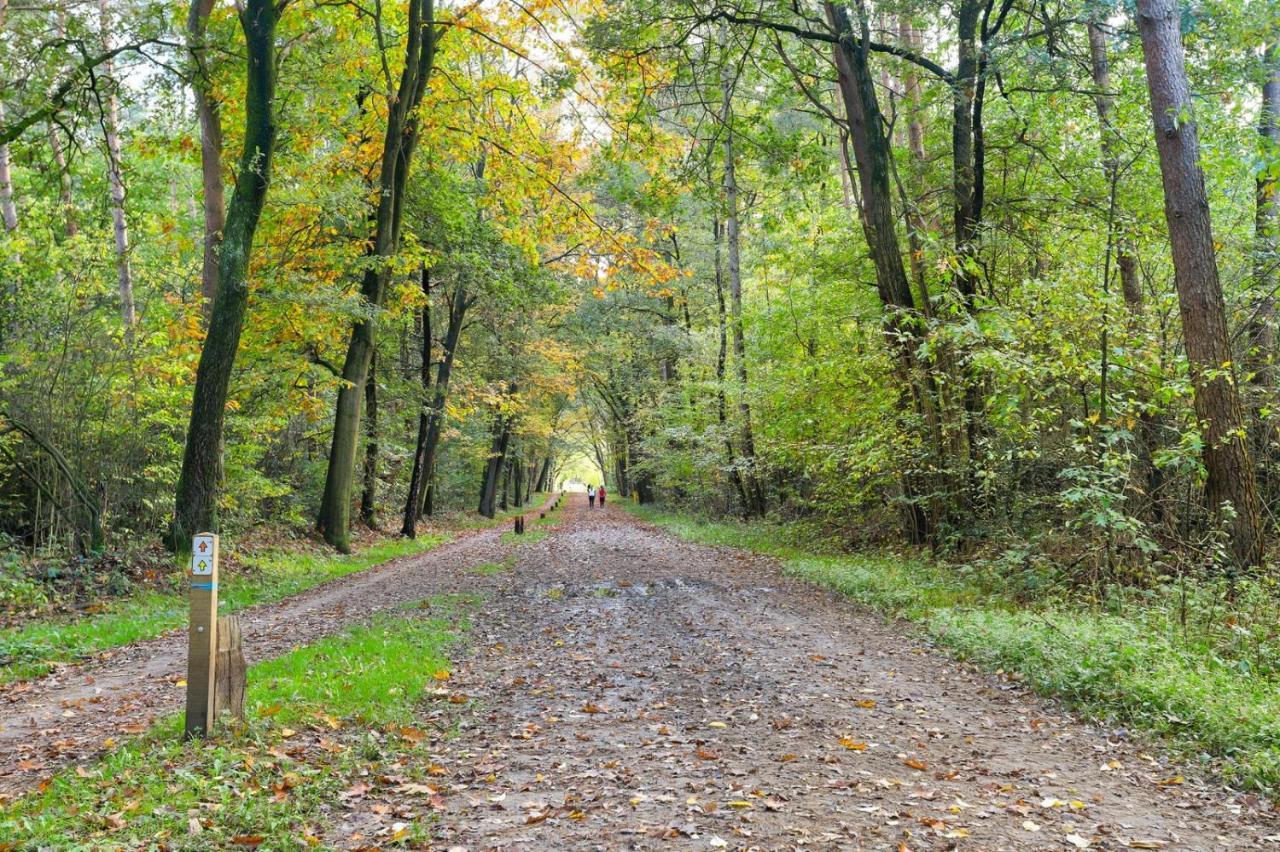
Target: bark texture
(431, 418)
(196, 505)
(872, 159)
(210, 147)
(1204, 325)
(1260, 361)
(752, 490)
(399, 142)
(115, 175)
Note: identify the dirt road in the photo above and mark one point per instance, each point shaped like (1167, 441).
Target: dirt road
(641, 692)
(632, 691)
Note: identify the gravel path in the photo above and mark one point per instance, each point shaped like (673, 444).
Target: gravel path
(639, 692)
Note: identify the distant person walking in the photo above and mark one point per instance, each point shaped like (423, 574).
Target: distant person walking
(601, 493)
(591, 496)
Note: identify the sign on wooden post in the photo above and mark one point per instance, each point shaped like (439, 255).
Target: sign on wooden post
(201, 635)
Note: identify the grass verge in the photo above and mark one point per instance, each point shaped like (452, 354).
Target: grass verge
(39, 646)
(329, 723)
(1193, 663)
(528, 537)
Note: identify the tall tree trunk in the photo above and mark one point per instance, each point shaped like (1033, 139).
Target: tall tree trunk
(115, 174)
(399, 142)
(1103, 103)
(369, 494)
(496, 464)
(541, 485)
(722, 354)
(418, 477)
(751, 482)
(70, 227)
(872, 157)
(1260, 362)
(963, 93)
(457, 312)
(517, 480)
(196, 505)
(1204, 324)
(8, 208)
(916, 226)
(210, 147)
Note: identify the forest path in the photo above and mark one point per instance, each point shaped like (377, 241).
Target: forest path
(68, 716)
(632, 691)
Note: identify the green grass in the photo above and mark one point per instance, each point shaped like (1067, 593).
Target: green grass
(528, 537)
(38, 647)
(486, 569)
(322, 718)
(1194, 663)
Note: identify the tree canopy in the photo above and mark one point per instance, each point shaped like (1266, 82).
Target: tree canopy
(991, 271)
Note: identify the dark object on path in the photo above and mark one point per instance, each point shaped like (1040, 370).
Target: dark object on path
(520, 525)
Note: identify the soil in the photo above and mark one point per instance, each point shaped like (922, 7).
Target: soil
(626, 690)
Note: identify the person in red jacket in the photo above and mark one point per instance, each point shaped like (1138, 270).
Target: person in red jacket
(600, 494)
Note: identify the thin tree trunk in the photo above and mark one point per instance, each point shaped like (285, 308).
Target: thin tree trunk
(1260, 362)
(722, 353)
(399, 143)
(369, 494)
(210, 148)
(541, 485)
(70, 227)
(457, 312)
(196, 504)
(115, 174)
(916, 225)
(1204, 325)
(8, 208)
(751, 482)
(1146, 477)
(517, 481)
(496, 464)
(872, 156)
(1103, 102)
(418, 477)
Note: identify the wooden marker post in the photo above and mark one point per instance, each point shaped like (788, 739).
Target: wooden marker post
(202, 646)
